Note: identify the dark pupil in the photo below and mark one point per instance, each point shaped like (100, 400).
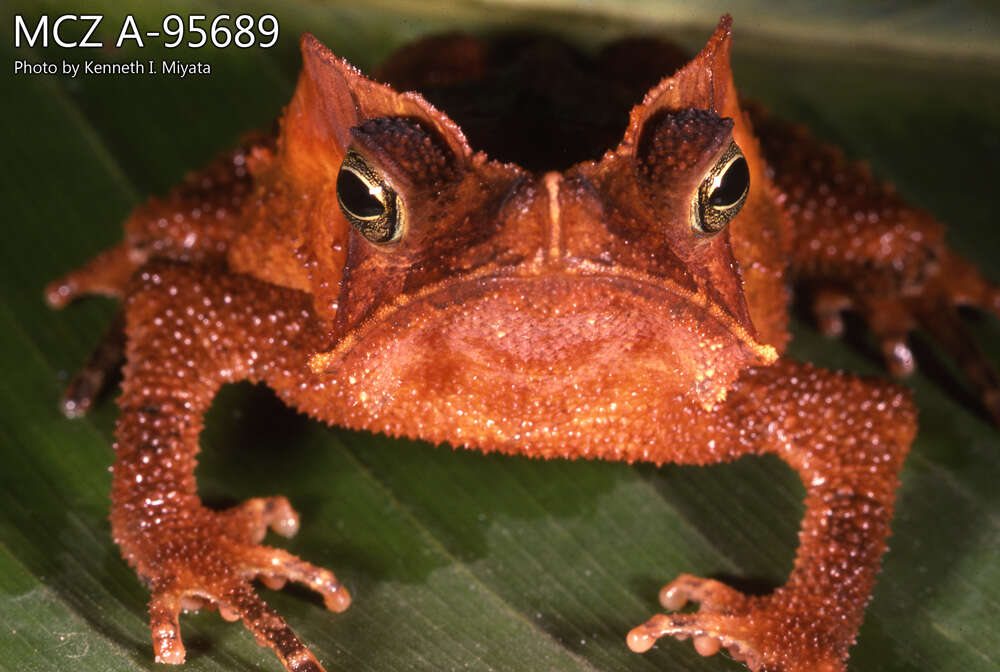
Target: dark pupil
(354, 196)
(734, 183)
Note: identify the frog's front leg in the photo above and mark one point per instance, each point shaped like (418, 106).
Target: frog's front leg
(846, 437)
(188, 332)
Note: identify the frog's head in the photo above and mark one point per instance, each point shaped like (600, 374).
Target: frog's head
(461, 281)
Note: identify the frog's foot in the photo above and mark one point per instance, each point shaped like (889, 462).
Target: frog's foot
(932, 307)
(767, 633)
(213, 566)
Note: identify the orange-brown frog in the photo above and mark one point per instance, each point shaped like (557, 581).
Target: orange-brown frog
(378, 273)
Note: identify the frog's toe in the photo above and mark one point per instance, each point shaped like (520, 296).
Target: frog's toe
(828, 308)
(946, 327)
(93, 379)
(892, 321)
(961, 284)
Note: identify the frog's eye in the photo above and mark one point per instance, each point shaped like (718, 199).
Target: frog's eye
(722, 193)
(369, 203)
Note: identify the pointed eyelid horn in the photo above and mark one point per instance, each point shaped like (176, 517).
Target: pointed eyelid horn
(705, 83)
(332, 96)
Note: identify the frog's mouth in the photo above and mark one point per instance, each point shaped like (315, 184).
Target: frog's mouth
(540, 333)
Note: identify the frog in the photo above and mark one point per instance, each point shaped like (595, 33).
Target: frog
(539, 254)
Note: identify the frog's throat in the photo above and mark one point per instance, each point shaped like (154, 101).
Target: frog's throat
(323, 362)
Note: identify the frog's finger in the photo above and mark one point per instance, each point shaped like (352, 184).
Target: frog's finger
(269, 628)
(712, 594)
(274, 566)
(164, 609)
(709, 634)
(252, 518)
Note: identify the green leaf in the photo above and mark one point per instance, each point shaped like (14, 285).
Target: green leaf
(456, 560)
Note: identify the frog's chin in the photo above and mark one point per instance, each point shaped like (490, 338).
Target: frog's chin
(554, 336)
